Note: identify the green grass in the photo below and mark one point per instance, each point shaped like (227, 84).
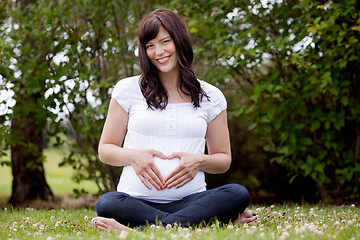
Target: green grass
(58, 178)
(275, 222)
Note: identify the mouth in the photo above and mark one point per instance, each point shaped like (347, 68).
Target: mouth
(163, 60)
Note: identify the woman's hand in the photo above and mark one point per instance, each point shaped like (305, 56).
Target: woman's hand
(188, 167)
(145, 168)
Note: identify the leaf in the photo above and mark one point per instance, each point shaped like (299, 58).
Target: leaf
(284, 150)
(344, 100)
(6, 163)
(302, 109)
(314, 126)
(277, 123)
(252, 126)
(269, 148)
(305, 141)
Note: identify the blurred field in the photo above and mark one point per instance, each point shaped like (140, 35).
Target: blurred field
(59, 178)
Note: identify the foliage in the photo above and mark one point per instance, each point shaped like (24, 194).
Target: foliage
(296, 63)
(83, 48)
(274, 222)
(288, 69)
(100, 49)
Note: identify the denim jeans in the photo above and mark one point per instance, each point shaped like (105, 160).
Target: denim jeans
(225, 203)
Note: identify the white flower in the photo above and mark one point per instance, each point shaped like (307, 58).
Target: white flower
(123, 234)
(86, 218)
(284, 235)
(230, 227)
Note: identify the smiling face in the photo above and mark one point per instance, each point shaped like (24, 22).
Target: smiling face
(161, 51)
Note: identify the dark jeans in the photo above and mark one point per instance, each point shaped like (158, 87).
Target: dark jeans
(225, 203)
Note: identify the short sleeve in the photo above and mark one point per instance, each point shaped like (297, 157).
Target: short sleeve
(217, 102)
(121, 93)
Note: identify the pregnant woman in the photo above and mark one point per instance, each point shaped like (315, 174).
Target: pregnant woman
(156, 128)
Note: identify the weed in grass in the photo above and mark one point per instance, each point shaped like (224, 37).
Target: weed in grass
(274, 222)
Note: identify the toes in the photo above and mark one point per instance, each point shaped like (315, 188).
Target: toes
(248, 214)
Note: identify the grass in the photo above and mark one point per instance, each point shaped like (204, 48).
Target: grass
(58, 178)
(275, 222)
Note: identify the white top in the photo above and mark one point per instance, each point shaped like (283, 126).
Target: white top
(178, 128)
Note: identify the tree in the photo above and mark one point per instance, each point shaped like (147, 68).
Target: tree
(295, 61)
(291, 85)
(25, 70)
(68, 56)
(100, 50)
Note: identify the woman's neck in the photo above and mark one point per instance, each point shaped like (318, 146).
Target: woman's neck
(170, 80)
(171, 83)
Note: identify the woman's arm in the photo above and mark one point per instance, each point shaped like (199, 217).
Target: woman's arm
(111, 152)
(217, 160)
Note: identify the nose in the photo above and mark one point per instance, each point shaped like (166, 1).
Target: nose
(159, 50)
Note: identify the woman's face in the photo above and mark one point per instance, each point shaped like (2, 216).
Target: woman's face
(162, 52)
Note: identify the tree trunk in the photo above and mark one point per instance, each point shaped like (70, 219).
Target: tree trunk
(27, 155)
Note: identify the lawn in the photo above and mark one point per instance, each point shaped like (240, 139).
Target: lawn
(287, 221)
(58, 178)
(275, 222)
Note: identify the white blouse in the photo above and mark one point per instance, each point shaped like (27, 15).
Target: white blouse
(178, 128)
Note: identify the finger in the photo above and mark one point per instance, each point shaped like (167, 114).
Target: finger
(172, 176)
(157, 176)
(159, 154)
(182, 183)
(174, 155)
(176, 180)
(143, 180)
(153, 179)
(182, 180)
(147, 175)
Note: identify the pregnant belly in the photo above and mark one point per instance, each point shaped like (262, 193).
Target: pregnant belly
(131, 184)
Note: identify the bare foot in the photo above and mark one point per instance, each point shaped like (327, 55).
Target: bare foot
(110, 224)
(247, 217)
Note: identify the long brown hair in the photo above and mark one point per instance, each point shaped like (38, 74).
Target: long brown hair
(151, 87)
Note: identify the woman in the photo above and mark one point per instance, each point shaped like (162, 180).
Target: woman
(163, 116)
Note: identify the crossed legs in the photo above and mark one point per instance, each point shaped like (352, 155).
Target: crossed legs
(118, 210)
